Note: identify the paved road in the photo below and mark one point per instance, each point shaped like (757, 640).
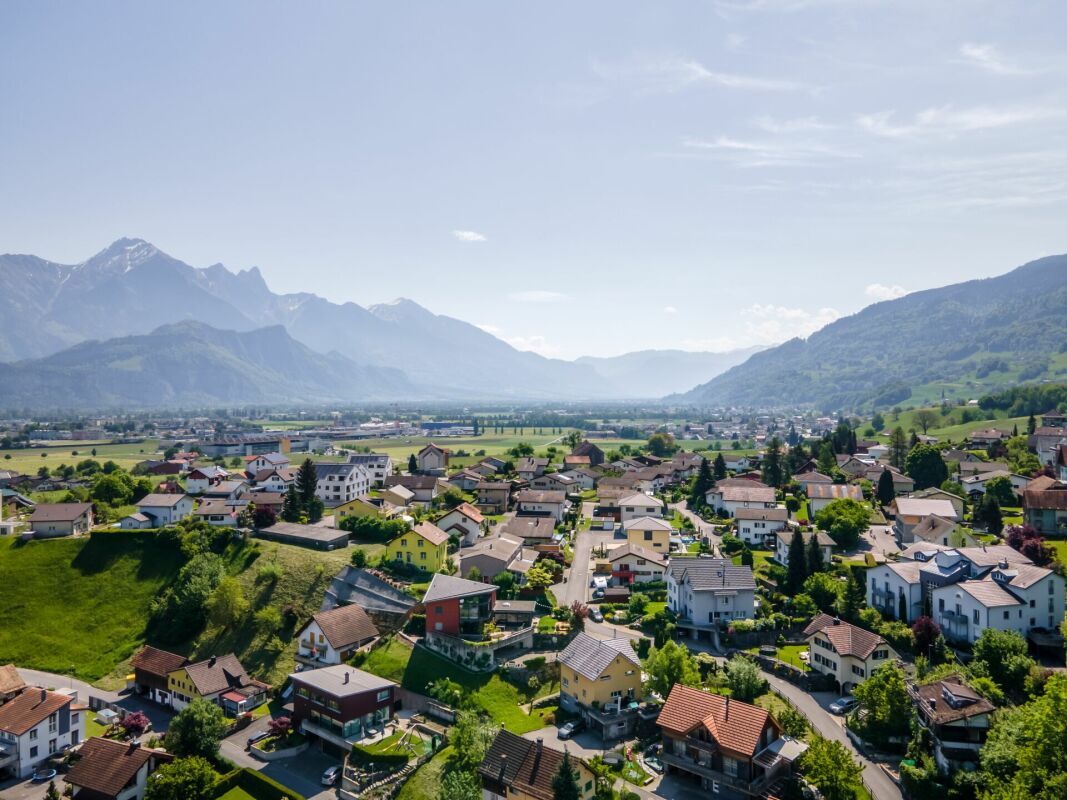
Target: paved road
(703, 528)
(159, 716)
(302, 773)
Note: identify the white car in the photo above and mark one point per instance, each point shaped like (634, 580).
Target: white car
(330, 776)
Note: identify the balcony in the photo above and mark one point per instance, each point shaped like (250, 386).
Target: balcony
(704, 769)
(8, 756)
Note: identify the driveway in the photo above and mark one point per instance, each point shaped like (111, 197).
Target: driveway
(130, 701)
(584, 744)
(879, 541)
(703, 528)
(300, 773)
(13, 789)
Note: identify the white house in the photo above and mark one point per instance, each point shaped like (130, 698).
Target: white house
(758, 526)
(337, 484)
(736, 496)
(639, 505)
(464, 520)
(910, 511)
(275, 479)
(201, 479)
(582, 479)
(537, 503)
(635, 564)
(254, 464)
(379, 466)
(34, 725)
(159, 510)
(738, 463)
(975, 484)
(334, 636)
(820, 495)
(433, 460)
(783, 539)
(846, 652)
(703, 592)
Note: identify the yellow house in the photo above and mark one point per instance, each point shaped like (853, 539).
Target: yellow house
(650, 533)
(601, 680)
(219, 679)
(424, 546)
(358, 507)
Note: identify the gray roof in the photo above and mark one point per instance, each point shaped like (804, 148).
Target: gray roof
(160, 500)
(590, 657)
(445, 587)
(324, 469)
(360, 586)
(341, 680)
(708, 574)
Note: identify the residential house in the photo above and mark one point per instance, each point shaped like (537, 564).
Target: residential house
(784, 538)
(587, 448)
(577, 462)
(226, 490)
(275, 479)
(423, 487)
(806, 479)
(847, 653)
(854, 466)
(725, 748)
(219, 679)
(106, 769)
(1046, 441)
(639, 505)
(36, 724)
(732, 497)
(626, 482)
(820, 495)
(737, 463)
(397, 496)
(537, 532)
(530, 467)
(958, 719)
(515, 768)
(987, 438)
(910, 511)
(633, 563)
(974, 485)
(200, 479)
(61, 519)
(938, 530)
(465, 521)
(652, 533)
(334, 636)
(455, 606)
(933, 493)
(706, 592)
(1045, 507)
(600, 679)
(554, 482)
(221, 513)
(495, 554)
(433, 460)
(151, 673)
(493, 496)
(11, 682)
(254, 464)
(378, 466)
(902, 484)
(465, 480)
(425, 546)
(582, 479)
(1060, 462)
(359, 507)
(159, 510)
(339, 706)
(967, 469)
(337, 484)
(759, 526)
(535, 503)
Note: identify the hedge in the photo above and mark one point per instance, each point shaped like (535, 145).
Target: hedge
(256, 784)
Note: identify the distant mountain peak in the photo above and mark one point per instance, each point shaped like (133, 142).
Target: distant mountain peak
(121, 256)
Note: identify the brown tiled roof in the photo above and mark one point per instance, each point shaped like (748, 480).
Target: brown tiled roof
(345, 626)
(847, 639)
(59, 512)
(526, 767)
(158, 662)
(535, 496)
(1052, 498)
(934, 705)
(29, 708)
(105, 766)
(217, 674)
(470, 512)
(10, 680)
(431, 533)
(736, 726)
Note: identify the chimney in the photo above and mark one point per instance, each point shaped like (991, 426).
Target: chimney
(211, 661)
(726, 710)
(347, 676)
(932, 701)
(503, 765)
(44, 694)
(135, 744)
(837, 620)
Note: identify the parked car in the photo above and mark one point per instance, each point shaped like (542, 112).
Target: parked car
(256, 737)
(843, 705)
(330, 776)
(654, 764)
(568, 729)
(596, 615)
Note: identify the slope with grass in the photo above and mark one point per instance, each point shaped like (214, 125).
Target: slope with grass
(79, 602)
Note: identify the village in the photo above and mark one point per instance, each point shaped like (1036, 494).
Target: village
(820, 606)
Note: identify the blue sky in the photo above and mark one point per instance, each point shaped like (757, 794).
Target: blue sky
(579, 178)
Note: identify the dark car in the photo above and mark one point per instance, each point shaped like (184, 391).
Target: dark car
(256, 737)
(568, 729)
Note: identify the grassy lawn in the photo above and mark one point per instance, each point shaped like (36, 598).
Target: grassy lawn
(790, 654)
(1060, 546)
(29, 460)
(655, 606)
(79, 602)
(774, 704)
(426, 780)
(418, 668)
(493, 444)
(237, 793)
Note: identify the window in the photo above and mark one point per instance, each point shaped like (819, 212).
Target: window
(977, 618)
(439, 610)
(383, 695)
(1007, 614)
(33, 735)
(33, 752)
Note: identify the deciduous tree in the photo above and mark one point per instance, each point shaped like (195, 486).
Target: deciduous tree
(196, 730)
(670, 664)
(182, 779)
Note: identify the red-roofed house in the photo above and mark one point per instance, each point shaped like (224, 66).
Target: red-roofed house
(726, 747)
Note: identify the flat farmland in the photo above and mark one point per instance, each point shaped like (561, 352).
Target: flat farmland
(29, 460)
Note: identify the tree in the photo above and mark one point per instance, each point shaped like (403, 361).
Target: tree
(1001, 490)
(925, 419)
(280, 726)
(827, 459)
(413, 465)
(701, 485)
(798, 563)
(744, 678)
(114, 489)
(291, 505)
(829, 766)
(1031, 425)
(844, 519)
(885, 492)
(460, 784)
(264, 517)
(182, 779)
(539, 576)
(52, 793)
(926, 632)
(135, 723)
(228, 603)
(884, 696)
(772, 464)
(1025, 755)
(851, 599)
(898, 448)
(662, 445)
(987, 514)
(505, 582)
(824, 590)
(471, 736)
(670, 664)
(359, 558)
(878, 422)
(565, 783)
(196, 730)
(814, 555)
(719, 467)
(1002, 656)
(926, 466)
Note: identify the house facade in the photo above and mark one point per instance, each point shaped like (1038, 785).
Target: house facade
(958, 719)
(651, 533)
(336, 484)
(708, 592)
(219, 679)
(759, 526)
(333, 637)
(538, 503)
(61, 519)
(639, 505)
(36, 724)
(433, 460)
(632, 564)
(424, 546)
(847, 653)
(600, 679)
(339, 706)
(111, 770)
(465, 521)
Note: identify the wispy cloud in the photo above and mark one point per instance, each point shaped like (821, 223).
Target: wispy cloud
(799, 125)
(767, 325)
(880, 291)
(539, 296)
(986, 57)
(748, 153)
(947, 121)
(675, 74)
(670, 310)
(493, 329)
(734, 42)
(469, 236)
(535, 344)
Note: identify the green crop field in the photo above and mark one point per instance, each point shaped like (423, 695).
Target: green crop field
(29, 460)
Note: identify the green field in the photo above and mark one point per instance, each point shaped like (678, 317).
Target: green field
(237, 793)
(29, 460)
(79, 602)
(416, 668)
(957, 432)
(426, 780)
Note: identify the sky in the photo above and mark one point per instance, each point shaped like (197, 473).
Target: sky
(577, 178)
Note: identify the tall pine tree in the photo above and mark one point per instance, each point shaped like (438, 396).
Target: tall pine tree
(814, 556)
(413, 464)
(565, 783)
(720, 467)
(704, 481)
(898, 448)
(798, 563)
(291, 505)
(885, 492)
(772, 464)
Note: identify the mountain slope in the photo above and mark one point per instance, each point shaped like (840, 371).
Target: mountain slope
(994, 331)
(190, 364)
(652, 373)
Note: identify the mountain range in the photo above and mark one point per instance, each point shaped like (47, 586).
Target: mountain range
(102, 317)
(970, 337)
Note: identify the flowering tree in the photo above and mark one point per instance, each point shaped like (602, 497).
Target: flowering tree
(280, 727)
(136, 723)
